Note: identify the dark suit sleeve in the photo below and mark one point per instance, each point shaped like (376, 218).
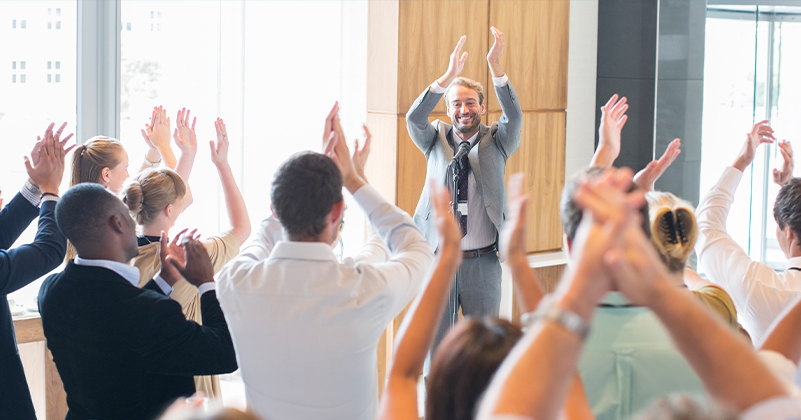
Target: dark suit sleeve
(26, 263)
(174, 346)
(14, 219)
(510, 124)
(151, 285)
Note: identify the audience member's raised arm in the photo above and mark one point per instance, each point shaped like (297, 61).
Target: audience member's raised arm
(157, 137)
(234, 203)
(781, 176)
(783, 336)
(552, 345)
(613, 118)
(734, 377)
(186, 140)
(647, 176)
(25, 263)
(513, 246)
(420, 324)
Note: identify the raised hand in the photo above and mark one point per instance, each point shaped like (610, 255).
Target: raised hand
(49, 171)
(157, 133)
(219, 152)
(646, 178)
(40, 142)
(175, 248)
(512, 239)
(360, 155)
(613, 118)
(336, 148)
(494, 54)
(198, 268)
(455, 64)
(760, 133)
(781, 176)
(608, 207)
(184, 134)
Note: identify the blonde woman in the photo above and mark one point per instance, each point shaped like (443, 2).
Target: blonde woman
(156, 198)
(674, 232)
(103, 160)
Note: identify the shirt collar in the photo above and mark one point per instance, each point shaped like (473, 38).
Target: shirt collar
(615, 299)
(794, 262)
(128, 272)
(292, 250)
(457, 140)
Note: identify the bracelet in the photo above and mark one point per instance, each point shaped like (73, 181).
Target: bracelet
(548, 310)
(50, 194)
(152, 164)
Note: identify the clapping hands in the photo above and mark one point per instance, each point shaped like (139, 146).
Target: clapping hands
(194, 264)
(45, 167)
(335, 146)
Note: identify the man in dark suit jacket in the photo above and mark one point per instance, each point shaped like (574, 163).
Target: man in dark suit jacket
(124, 352)
(22, 265)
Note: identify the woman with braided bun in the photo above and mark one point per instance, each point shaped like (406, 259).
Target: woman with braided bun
(155, 198)
(674, 232)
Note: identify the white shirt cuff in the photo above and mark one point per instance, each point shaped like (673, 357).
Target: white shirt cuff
(31, 193)
(436, 88)
(206, 287)
(729, 180)
(48, 198)
(499, 81)
(162, 284)
(368, 198)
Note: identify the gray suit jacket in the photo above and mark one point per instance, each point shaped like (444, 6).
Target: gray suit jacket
(487, 158)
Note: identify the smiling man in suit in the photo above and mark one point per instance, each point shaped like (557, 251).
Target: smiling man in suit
(481, 192)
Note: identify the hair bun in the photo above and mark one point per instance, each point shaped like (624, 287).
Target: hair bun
(133, 197)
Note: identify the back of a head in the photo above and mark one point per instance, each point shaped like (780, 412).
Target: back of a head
(684, 407)
(674, 230)
(787, 208)
(470, 83)
(464, 364)
(571, 213)
(151, 191)
(89, 159)
(304, 190)
(81, 211)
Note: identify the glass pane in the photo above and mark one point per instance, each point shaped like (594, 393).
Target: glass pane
(29, 103)
(728, 110)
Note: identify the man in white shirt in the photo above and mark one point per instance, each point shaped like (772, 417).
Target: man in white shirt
(759, 293)
(305, 326)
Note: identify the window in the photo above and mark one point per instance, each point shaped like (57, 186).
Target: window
(23, 24)
(751, 59)
(13, 24)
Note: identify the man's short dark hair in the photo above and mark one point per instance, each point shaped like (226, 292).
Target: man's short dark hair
(571, 212)
(82, 210)
(787, 209)
(305, 189)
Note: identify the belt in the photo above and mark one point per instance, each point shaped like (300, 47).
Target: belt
(479, 252)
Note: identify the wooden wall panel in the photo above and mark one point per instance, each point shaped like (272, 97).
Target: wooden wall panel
(549, 277)
(411, 167)
(382, 56)
(542, 157)
(428, 31)
(535, 57)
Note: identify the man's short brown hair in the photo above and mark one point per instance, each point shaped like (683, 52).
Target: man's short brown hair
(470, 83)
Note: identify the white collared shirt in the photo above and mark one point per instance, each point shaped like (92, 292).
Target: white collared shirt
(306, 327)
(759, 293)
(128, 272)
(481, 232)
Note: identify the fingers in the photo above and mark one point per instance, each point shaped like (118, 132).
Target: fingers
(463, 59)
(331, 143)
(515, 186)
(194, 121)
(329, 121)
(66, 139)
(213, 149)
(178, 236)
(67, 150)
(441, 201)
(60, 130)
(459, 45)
(28, 167)
(610, 103)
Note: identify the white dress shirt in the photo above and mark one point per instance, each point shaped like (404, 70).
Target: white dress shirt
(481, 231)
(759, 293)
(306, 327)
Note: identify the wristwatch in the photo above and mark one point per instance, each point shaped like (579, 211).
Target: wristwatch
(548, 310)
